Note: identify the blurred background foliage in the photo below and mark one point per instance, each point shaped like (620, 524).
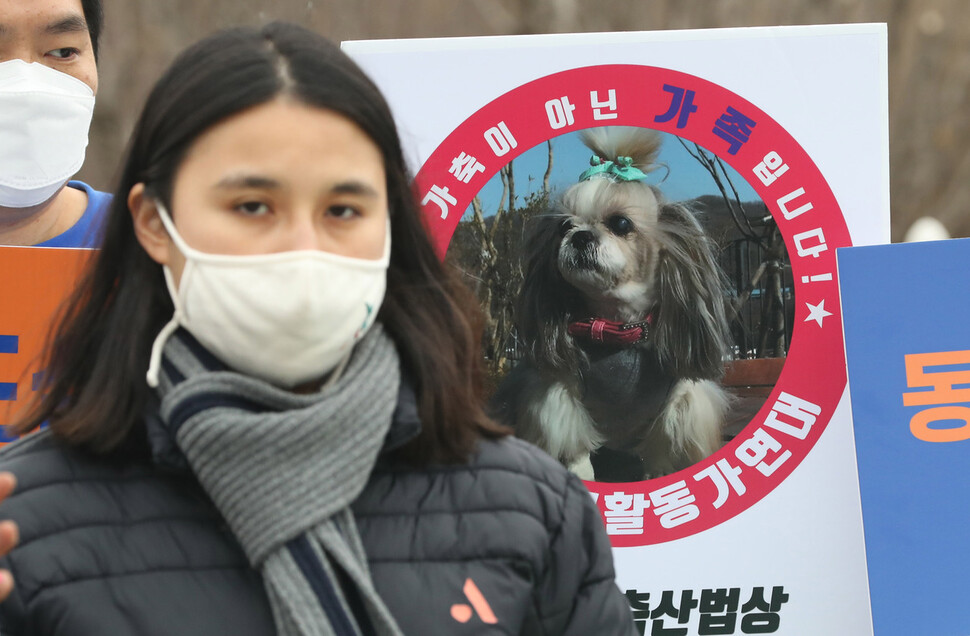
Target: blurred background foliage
(929, 63)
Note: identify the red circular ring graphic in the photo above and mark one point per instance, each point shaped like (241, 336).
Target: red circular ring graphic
(813, 378)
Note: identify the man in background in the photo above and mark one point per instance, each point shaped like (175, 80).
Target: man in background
(48, 82)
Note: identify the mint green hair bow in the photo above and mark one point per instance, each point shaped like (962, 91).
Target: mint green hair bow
(620, 170)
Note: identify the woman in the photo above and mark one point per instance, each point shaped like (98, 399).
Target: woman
(292, 465)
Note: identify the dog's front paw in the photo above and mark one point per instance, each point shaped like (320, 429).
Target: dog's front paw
(582, 468)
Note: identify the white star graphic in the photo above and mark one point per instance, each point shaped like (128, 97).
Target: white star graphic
(817, 312)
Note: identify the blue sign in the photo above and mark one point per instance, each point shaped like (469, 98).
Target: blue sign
(907, 340)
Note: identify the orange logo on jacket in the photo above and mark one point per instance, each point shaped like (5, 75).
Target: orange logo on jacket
(463, 613)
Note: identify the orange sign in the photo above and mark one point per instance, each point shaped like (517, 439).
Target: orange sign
(33, 282)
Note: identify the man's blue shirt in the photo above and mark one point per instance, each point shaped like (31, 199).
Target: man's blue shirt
(87, 231)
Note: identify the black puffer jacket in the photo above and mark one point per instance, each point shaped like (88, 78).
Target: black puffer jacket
(121, 548)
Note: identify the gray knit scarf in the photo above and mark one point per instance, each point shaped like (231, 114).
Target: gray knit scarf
(283, 469)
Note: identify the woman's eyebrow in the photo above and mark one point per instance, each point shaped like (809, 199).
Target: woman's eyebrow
(248, 181)
(355, 187)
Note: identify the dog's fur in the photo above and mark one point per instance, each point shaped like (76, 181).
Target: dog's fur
(615, 250)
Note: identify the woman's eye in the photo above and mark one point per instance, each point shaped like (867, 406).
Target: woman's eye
(64, 54)
(342, 211)
(253, 208)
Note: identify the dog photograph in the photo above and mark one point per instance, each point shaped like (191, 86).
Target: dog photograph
(630, 282)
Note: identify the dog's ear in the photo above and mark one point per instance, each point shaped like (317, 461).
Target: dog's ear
(546, 302)
(690, 327)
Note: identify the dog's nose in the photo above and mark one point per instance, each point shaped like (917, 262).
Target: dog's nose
(582, 239)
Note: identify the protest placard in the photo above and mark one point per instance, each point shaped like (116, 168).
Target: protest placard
(777, 138)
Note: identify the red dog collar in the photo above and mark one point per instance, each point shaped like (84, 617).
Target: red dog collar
(610, 332)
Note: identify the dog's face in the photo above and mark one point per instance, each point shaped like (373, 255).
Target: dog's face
(608, 248)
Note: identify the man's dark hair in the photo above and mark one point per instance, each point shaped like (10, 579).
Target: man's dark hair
(94, 16)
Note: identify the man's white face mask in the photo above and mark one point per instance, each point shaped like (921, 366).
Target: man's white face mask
(44, 120)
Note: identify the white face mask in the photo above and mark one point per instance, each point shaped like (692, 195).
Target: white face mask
(44, 120)
(286, 317)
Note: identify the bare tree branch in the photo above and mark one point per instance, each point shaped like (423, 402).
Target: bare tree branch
(548, 174)
(710, 162)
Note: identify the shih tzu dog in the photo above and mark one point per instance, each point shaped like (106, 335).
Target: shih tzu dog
(622, 311)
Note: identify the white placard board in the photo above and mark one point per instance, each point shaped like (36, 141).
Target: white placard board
(817, 98)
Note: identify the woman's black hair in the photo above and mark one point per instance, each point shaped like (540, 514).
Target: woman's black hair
(95, 392)
(94, 16)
